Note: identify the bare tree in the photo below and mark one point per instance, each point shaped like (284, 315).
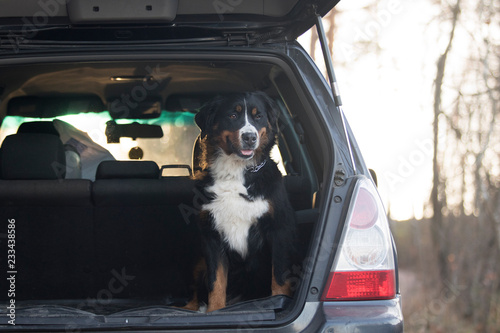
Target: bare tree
(466, 169)
(437, 200)
(330, 34)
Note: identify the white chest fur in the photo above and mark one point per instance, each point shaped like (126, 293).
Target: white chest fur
(233, 214)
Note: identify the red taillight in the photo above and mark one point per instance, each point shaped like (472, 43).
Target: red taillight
(364, 268)
(360, 285)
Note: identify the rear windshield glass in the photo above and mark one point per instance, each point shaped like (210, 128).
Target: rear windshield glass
(175, 147)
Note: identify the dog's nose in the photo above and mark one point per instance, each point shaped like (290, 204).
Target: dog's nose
(249, 138)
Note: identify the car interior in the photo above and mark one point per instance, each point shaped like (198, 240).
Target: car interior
(96, 166)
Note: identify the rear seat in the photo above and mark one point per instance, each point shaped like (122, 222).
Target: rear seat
(53, 219)
(140, 230)
(76, 240)
(73, 163)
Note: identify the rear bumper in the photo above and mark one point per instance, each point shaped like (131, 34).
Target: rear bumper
(366, 316)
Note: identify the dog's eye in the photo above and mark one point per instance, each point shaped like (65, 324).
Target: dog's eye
(258, 116)
(232, 116)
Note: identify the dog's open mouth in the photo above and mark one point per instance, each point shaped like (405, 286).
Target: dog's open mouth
(243, 152)
(246, 153)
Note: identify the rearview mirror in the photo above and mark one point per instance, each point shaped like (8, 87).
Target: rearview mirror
(134, 130)
(147, 109)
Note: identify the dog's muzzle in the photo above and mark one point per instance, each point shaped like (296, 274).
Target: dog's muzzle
(249, 142)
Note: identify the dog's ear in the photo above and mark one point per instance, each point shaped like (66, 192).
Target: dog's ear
(206, 116)
(271, 110)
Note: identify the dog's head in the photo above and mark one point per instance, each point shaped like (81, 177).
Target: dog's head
(242, 124)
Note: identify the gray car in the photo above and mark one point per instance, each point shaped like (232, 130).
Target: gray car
(98, 149)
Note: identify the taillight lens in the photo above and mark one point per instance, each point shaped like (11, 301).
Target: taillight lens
(363, 285)
(365, 212)
(364, 268)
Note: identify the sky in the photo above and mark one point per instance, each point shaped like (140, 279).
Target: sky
(387, 94)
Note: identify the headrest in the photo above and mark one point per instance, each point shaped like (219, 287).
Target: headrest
(46, 127)
(32, 156)
(127, 170)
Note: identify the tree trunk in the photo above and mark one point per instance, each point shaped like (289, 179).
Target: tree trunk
(437, 229)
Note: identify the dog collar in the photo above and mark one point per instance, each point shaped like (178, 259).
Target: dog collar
(256, 168)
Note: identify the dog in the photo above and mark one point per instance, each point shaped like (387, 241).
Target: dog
(247, 224)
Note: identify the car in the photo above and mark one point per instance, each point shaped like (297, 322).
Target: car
(98, 151)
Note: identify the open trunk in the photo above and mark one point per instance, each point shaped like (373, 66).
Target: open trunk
(116, 248)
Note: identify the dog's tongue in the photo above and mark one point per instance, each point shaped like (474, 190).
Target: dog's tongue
(247, 152)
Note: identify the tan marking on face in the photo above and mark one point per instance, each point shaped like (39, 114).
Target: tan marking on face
(278, 289)
(239, 108)
(254, 111)
(263, 134)
(222, 140)
(217, 297)
(263, 141)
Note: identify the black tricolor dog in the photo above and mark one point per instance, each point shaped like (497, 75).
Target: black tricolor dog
(247, 224)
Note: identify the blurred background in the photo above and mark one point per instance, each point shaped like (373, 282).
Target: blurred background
(420, 84)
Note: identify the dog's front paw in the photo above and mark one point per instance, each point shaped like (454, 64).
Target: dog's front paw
(193, 305)
(284, 289)
(216, 304)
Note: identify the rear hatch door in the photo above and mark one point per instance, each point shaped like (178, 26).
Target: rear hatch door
(128, 21)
